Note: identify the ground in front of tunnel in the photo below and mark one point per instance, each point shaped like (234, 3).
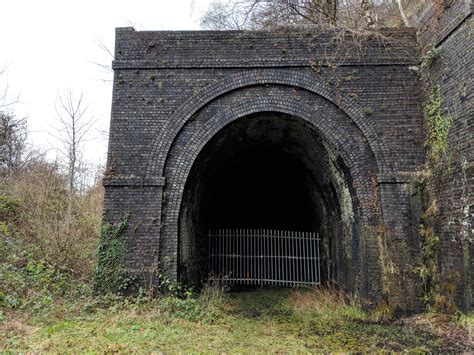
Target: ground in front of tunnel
(260, 320)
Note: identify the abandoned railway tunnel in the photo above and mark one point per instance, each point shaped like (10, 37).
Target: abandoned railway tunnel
(206, 144)
(302, 144)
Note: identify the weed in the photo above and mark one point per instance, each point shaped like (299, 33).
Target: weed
(438, 125)
(430, 57)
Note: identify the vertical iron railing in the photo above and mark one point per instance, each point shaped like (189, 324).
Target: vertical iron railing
(265, 257)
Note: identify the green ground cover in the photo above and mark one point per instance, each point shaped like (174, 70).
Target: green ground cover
(262, 320)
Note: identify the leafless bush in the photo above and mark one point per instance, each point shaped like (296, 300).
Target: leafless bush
(67, 238)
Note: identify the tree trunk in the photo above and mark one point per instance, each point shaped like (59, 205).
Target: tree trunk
(367, 10)
(402, 13)
(333, 12)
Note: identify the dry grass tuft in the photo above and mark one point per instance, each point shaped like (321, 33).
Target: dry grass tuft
(215, 292)
(323, 299)
(16, 324)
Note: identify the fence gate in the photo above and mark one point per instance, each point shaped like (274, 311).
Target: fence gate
(265, 257)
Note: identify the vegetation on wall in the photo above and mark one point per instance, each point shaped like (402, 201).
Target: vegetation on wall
(438, 292)
(430, 57)
(110, 275)
(438, 125)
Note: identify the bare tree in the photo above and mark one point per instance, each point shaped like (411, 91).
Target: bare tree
(13, 133)
(74, 127)
(105, 66)
(6, 99)
(239, 15)
(351, 14)
(402, 13)
(229, 15)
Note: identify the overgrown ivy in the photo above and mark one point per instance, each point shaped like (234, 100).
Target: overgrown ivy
(111, 275)
(438, 124)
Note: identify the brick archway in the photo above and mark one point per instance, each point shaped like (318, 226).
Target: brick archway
(330, 123)
(311, 83)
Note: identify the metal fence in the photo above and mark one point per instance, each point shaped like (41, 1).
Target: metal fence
(265, 257)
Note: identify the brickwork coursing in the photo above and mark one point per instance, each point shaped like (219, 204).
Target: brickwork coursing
(175, 91)
(451, 31)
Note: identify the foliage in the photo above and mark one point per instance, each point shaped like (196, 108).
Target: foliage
(438, 124)
(439, 291)
(430, 57)
(8, 207)
(368, 111)
(34, 286)
(29, 284)
(110, 274)
(428, 268)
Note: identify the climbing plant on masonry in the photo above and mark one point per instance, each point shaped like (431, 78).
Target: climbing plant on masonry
(438, 124)
(438, 293)
(111, 275)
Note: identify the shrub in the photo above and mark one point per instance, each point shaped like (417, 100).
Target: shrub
(53, 225)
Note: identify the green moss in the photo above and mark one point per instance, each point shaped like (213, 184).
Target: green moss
(368, 111)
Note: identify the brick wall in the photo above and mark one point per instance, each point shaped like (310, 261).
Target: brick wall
(451, 31)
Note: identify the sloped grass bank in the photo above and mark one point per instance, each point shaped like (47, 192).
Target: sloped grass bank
(262, 320)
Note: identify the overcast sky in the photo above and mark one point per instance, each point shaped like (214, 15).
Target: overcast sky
(49, 46)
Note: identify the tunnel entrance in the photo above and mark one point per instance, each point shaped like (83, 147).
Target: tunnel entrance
(267, 171)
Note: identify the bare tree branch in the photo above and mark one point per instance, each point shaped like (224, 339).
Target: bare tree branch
(402, 13)
(74, 126)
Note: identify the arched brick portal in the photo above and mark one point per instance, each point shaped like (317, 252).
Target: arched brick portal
(177, 95)
(327, 120)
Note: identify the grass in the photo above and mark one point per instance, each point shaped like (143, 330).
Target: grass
(263, 320)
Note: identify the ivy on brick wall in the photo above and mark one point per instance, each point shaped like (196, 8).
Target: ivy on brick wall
(438, 292)
(111, 275)
(438, 124)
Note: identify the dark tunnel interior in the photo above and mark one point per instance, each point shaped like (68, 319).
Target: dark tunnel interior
(260, 187)
(271, 171)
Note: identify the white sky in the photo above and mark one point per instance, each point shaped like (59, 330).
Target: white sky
(48, 47)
